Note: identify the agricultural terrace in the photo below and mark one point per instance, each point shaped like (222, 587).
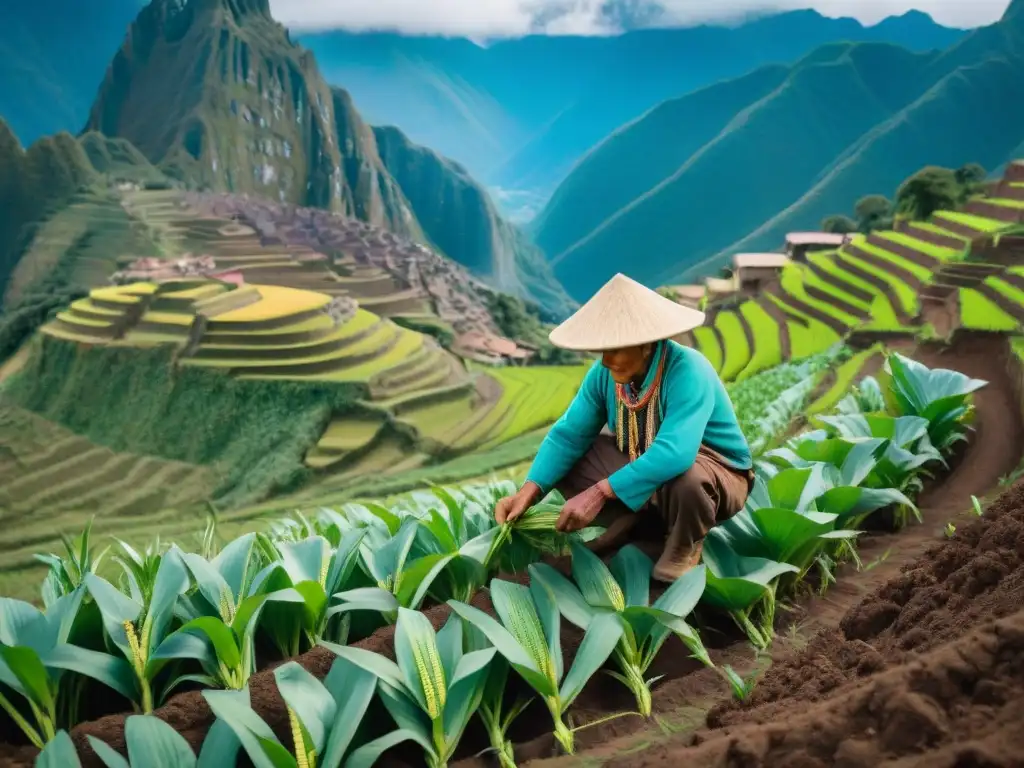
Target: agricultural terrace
(332, 584)
(237, 247)
(287, 390)
(920, 279)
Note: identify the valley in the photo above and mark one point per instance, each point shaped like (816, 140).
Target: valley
(273, 348)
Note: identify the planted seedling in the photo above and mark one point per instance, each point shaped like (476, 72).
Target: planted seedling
(624, 591)
(529, 637)
(434, 688)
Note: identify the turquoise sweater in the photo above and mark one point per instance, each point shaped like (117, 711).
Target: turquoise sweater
(694, 408)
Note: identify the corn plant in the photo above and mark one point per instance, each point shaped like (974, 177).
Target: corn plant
(66, 572)
(315, 571)
(142, 632)
(529, 637)
(324, 719)
(624, 590)
(435, 686)
(222, 611)
(402, 580)
(150, 743)
(139, 569)
(465, 536)
(744, 587)
(496, 719)
(741, 687)
(41, 670)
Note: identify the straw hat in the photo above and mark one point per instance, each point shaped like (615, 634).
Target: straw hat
(624, 314)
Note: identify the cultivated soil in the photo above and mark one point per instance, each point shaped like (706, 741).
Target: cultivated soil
(916, 660)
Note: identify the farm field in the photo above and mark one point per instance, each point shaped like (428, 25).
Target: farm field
(918, 280)
(727, 603)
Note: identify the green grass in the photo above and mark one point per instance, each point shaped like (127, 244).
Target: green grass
(938, 230)
(883, 316)
(918, 271)
(408, 343)
(844, 378)
(978, 313)
(537, 397)
(708, 345)
(906, 295)
(737, 351)
(809, 339)
(793, 280)
(930, 249)
(1017, 345)
(374, 341)
(1005, 203)
(83, 321)
(980, 223)
(826, 262)
(767, 351)
(1013, 294)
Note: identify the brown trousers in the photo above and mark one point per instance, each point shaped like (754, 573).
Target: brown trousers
(688, 506)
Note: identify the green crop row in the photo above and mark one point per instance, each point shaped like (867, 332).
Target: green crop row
(173, 616)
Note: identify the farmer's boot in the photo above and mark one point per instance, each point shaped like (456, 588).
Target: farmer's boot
(675, 561)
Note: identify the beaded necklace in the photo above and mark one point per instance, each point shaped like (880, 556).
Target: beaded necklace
(629, 409)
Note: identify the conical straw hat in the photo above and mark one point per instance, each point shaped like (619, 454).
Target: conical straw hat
(624, 314)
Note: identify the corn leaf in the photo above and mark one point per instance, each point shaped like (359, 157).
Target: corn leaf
(59, 753)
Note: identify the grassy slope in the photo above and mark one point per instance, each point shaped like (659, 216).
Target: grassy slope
(849, 120)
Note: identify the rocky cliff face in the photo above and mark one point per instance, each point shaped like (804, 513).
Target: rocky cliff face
(216, 93)
(459, 218)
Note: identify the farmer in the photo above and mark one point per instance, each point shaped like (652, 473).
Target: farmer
(672, 444)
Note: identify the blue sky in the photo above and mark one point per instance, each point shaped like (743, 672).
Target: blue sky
(509, 18)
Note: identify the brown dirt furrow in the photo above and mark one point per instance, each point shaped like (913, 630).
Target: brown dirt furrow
(993, 451)
(827, 276)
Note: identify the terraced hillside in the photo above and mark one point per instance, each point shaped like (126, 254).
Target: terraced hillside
(380, 398)
(52, 479)
(384, 272)
(959, 270)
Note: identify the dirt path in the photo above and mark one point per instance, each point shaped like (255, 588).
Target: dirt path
(993, 451)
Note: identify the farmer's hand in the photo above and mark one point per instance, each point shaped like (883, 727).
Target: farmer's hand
(580, 510)
(511, 507)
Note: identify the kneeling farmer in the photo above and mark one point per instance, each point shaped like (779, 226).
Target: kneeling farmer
(674, 446)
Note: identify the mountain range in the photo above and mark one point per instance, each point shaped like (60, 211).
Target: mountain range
(215, 93)
(519, 113)
(736, 165)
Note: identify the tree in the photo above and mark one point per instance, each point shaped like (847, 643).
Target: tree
(970, 174)
(930, 189)
(873, 212)
(839, 224)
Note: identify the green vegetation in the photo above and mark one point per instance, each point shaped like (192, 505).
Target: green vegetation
(681, 157)
(929, 190)
(978, 312)
(334, 577)
(843, 379)
(707, 343)
(767, 351)
(734, 339)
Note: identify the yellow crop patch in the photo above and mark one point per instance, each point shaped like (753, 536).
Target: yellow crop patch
(276, 301)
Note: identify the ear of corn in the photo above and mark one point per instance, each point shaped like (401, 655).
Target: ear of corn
(526, 640)
(644, 629)
(431, 705)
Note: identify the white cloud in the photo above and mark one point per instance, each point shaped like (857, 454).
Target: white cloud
(482, 19)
